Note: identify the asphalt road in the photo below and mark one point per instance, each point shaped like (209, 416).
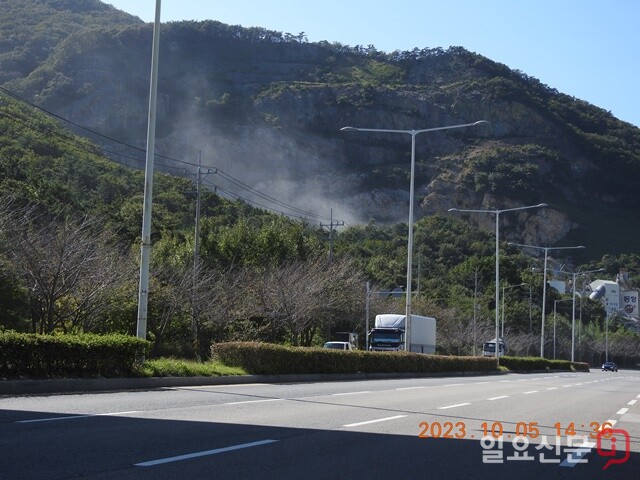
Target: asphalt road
(503, 426)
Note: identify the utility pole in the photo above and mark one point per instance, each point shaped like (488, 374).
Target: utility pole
(331, 225)
(366, 318)
(196, 260)
(196, 264)
(475, 311)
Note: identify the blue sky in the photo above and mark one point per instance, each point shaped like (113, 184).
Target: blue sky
(589, 49)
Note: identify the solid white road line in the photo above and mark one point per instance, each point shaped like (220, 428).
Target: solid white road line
(188, 456)
(373, 421)
(73, 417)
(410, 388)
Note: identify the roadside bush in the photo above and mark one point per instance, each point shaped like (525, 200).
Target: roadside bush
(270, 359)
(527, 364)
(87, 355)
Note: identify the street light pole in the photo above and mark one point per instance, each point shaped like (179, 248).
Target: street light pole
(145, 248)
(544, 284)
(573, 315)
(497, 214)
(413, 133)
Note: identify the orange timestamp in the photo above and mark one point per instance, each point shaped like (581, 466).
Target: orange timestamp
(529, 430)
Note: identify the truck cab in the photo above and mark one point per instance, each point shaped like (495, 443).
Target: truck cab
(489, 348)
(386, 339)
(338, 346)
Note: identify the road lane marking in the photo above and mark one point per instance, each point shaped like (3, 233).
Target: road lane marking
(565, 386)
(410, 388)
(188, 456)
(622, 411)
(209, 387)
(632, 402)
(255, 401)
(458, 384)
(351, 393)
(608, 424)
(453, 406)
(478, 383)
(73, 417)
(552, 388)
(374, 421)
(498, 398)
(532, 391)
(574, 457)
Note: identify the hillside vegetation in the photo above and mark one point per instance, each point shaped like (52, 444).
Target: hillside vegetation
(263, 110)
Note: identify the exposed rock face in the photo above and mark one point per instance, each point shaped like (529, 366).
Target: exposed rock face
(267, 109)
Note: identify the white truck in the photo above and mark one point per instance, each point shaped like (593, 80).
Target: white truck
(388, 334)
(489, 348)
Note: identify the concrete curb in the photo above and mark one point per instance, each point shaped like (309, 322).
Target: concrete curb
(82, 385)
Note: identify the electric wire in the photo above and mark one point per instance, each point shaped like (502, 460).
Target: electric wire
(105, 152)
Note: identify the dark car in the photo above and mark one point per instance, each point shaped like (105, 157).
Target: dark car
(609, 366)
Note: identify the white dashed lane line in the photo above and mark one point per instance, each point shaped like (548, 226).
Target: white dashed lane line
(160, 461)
(255, 401)
(377, 420)
(454, 406)
(351, 393)
(74, 417)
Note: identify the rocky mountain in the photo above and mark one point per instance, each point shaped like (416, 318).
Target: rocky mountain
(265, 108)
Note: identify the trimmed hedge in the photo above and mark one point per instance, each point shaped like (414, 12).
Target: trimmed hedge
(63, 356)
(270, 359)
(527, 364)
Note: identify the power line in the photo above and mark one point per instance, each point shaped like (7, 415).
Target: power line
(110, 154)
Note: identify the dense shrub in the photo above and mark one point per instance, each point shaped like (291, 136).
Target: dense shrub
(270, 359)
(46, 356)
(527, 364)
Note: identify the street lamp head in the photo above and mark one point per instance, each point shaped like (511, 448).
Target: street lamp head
(453, 210)
(480, 122)
(348, 129)
(542, 205)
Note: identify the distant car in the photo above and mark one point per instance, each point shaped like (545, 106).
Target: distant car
(338, 346)
(609, 366)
